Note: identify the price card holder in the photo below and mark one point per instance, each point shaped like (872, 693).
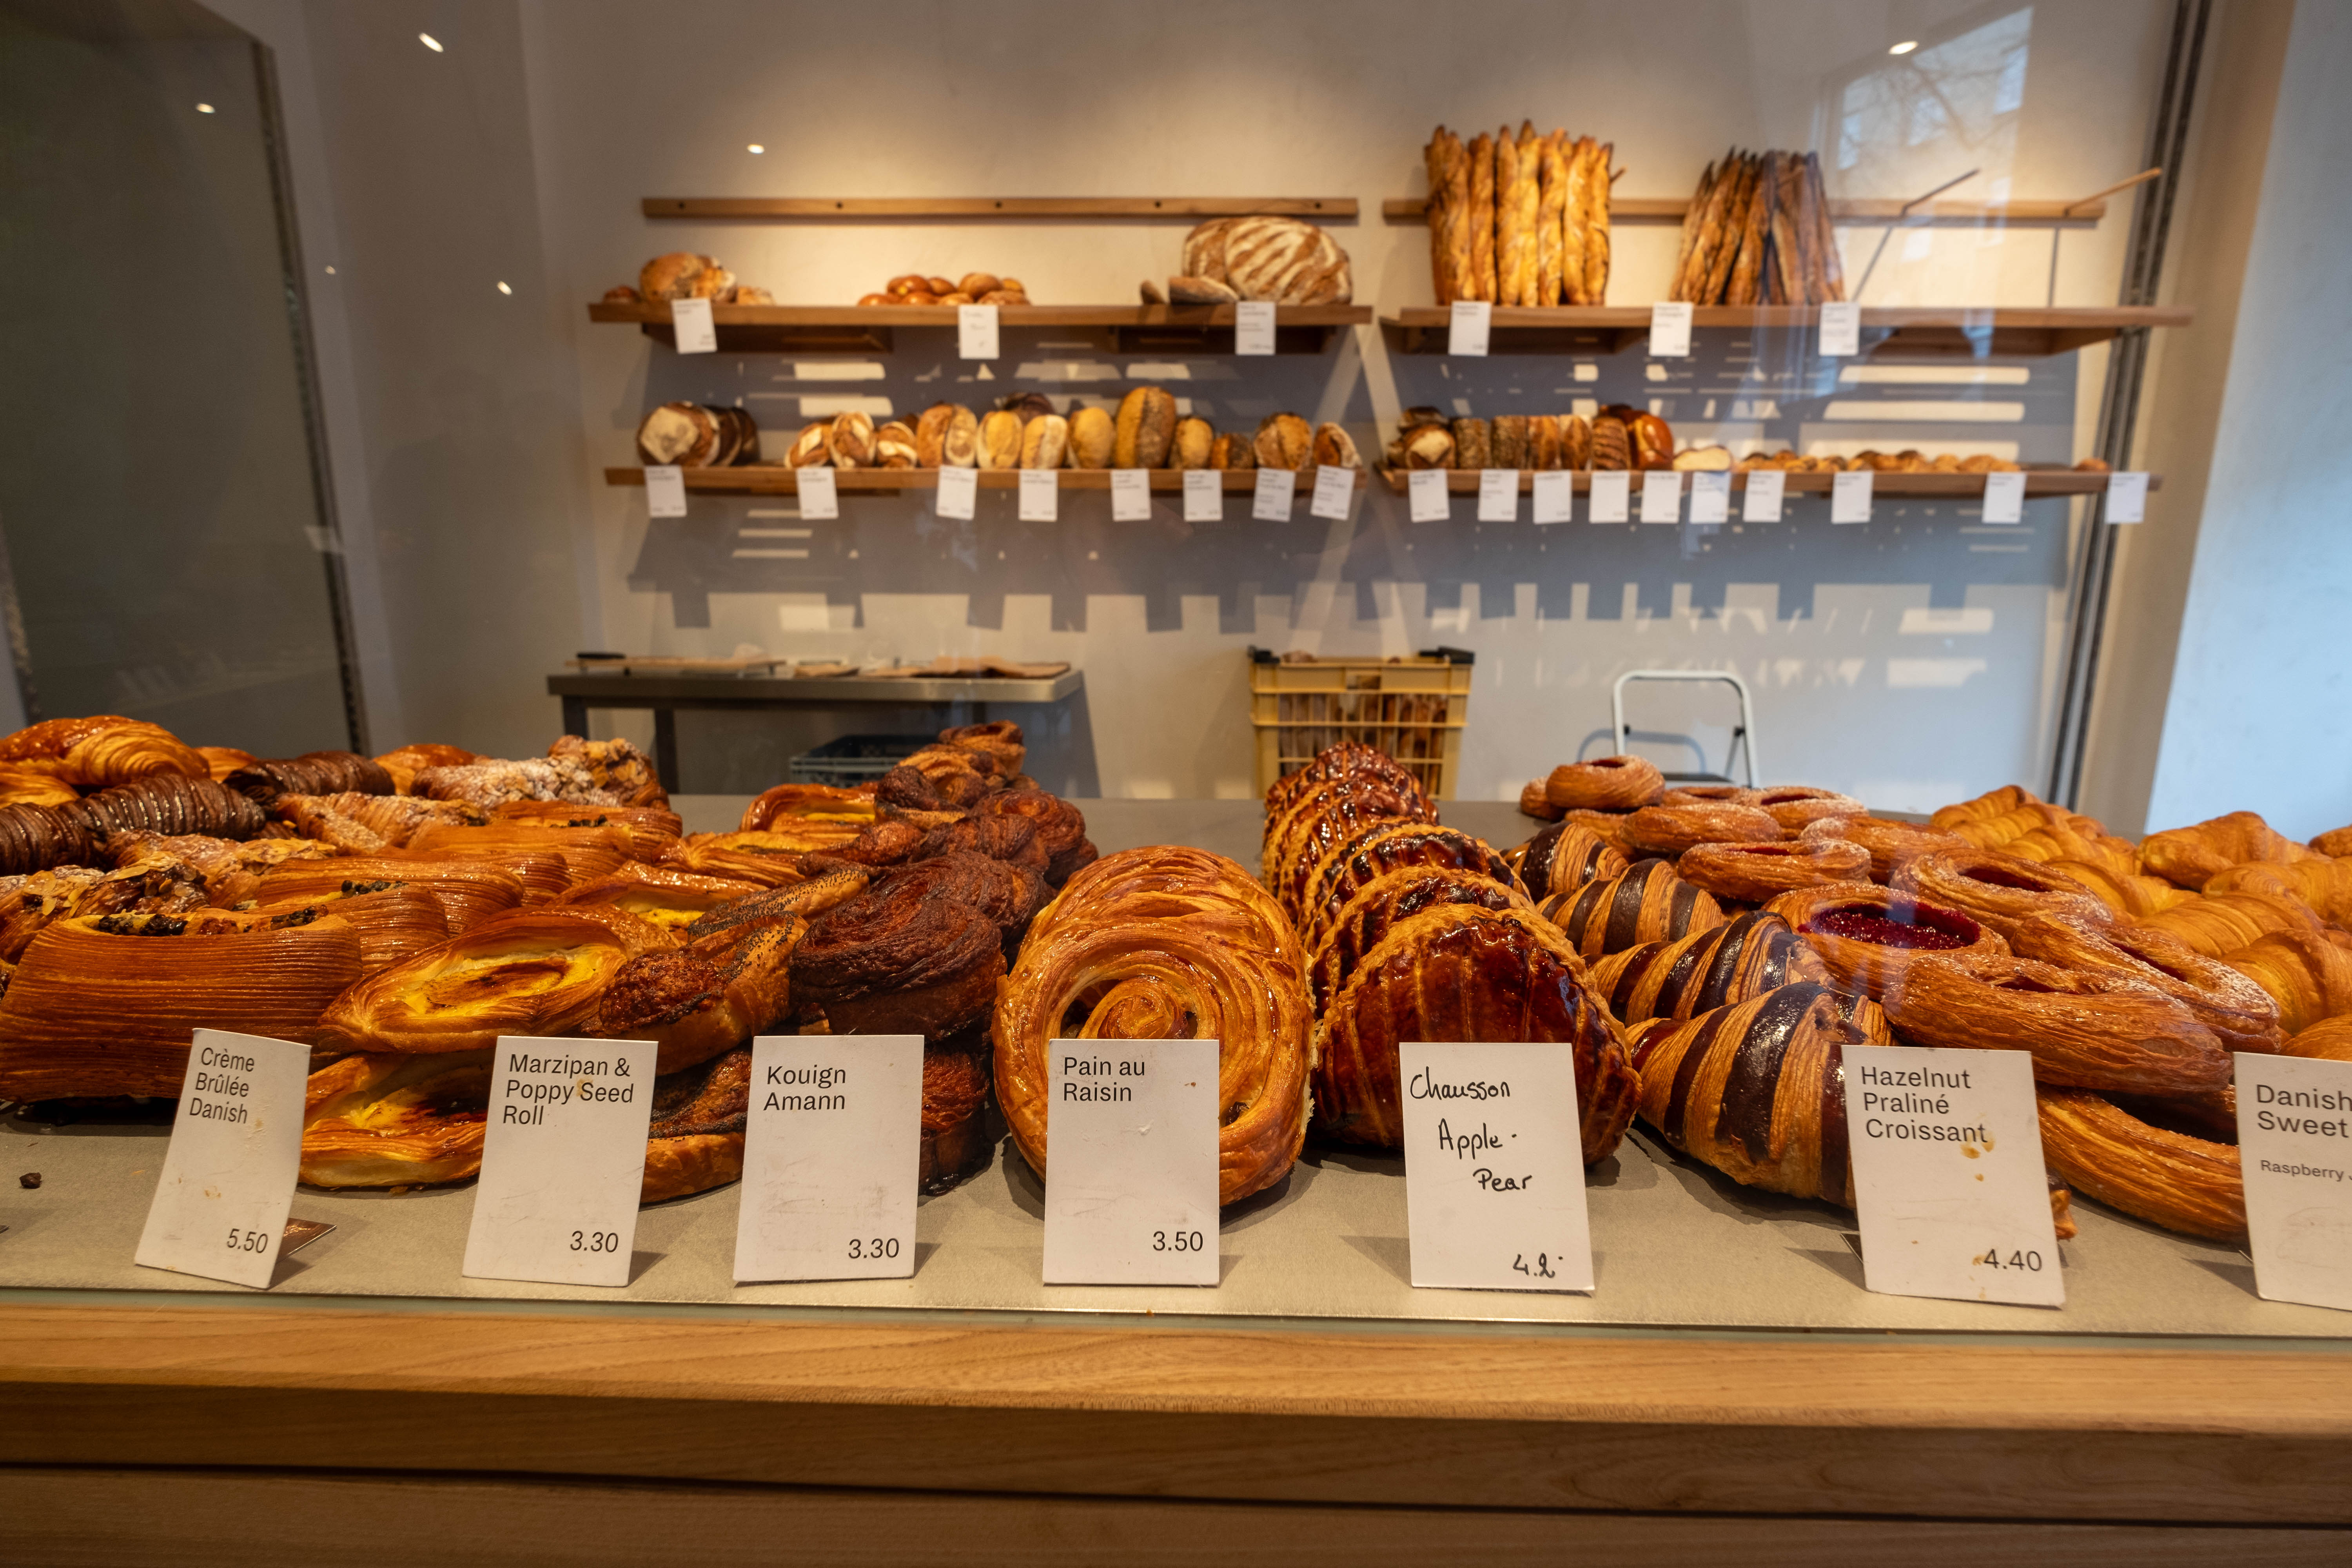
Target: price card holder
(832, 1153)
(2126, 498)
(1498, 495)
(1669, 329)
(1131, 1187)
(1555, 496)
(1041, 495)
(1710, 498)
(665, 490)
(2004, 498)
(1850, 496)
(1493, 1167)
(1335, 487)
(1467, 326)
(1947, 1176)
(1424, 490)
(2294, 1146)
(690, 324)
(563, 1160)
(1841, 335)
(1612, 496)
(1662, 496)
(976, 332)
(219, 1212)
(1253, 327)
(1275, 489)
(820, 496)
(1130, 495)
(959, 492)
(1204, 496)
(1766, 489)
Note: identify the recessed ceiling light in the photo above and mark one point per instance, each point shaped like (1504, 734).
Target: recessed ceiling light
(755, 147)
(203, 109)
(429, 41)
(1904, 48)
(504, 289)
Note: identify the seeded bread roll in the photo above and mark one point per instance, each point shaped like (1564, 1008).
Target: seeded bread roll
(1146, 429)
(1284, 441)
(1044, 441)
(1510, 442)
(1334, 447)
(851, 442)
(1090, 439)
(1191, 447)
(1230, 451)
(812, 449)
(1429, 446)
(1000, 439)
(1472, 444)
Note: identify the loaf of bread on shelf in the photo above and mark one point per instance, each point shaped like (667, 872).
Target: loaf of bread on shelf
(1193, 441)
(1597, 188)
(1472, 443)
(1479, 284)
(1232, 450)
(1284, 441)
(1510, 441)
(812, 449)
(1144, 430)
(850, 441)
(1045, 442)
(1092, 436)
(1000, 439)
(1334, 447)
(894, 446)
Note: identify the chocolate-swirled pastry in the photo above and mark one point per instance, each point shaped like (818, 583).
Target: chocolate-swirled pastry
(1644, 903)
(1747, 956)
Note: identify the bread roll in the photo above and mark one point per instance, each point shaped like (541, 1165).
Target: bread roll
(1284, 441)
(977, 283)
(1334, 447)
(1200, 292)
(1473, 446)
(894, 446)
(672, 277)
(1510, 442)
(1191, 447)
(1000, 439)
(932, 434)
(1044, 441)
(1146, 429)
(851, 440)
(1090, 439)
(1231, 451)
(1429, 446)
(1611, 449)
(1151, 292)
(1480, 283)
(812, 449)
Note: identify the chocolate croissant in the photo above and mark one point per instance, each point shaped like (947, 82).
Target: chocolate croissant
(1718, 967)
(1563, 857)
(313, 772)
(1645, 903)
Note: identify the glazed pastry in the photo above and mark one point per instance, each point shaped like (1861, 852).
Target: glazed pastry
(1869, 935)
(2191, 856)
(1745, 957)
(1671, 830)
(369, 824)
(2322, 884)
(229, 872)
(51, 739)
(129, 751)
(2307, 975)
(1351, 866)
(901, 959)
(2126, 895)
(1645, 903)
(1998, 890)
(2223, 922)
(1383, 902)
(586, 852)
(313, 773)
(694, 1137)
(1461, 972)
(1609, 826)
(1608, 783)
(468, 892)
(1167, 943)
(1060, 826)
(710, 994)
(392, 919)
(998, 739)
(1336, 811)
(531, 971)
(956, 1096)
(1562, 858)
(404, 764)
(1758, 873)
(1796, 807)
(1144, 430)
(815, 802)
(645, 833)
(2170, 1178)
(166, 803)
(1347, 760)
(1890, 844)
(2238, 1011)
(2086, 1029)
(1014, 839)
(1991, 804)
(771, 856)
(1710, 794)
(390, 1119)
(2330, 1038)
(671, 898)
(21, 785)
(2337, 842)
(1534, 803)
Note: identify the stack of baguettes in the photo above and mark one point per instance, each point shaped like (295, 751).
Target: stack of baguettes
(1758, 233)
(1519, 220)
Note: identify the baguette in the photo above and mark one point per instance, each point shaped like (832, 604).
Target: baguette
(1711, 221)
(1552, 207)
(1510, 239)
(1693, 218)
(1458, 215)
(1480, 282)
(1596, 226)
(1530, 189)
(1440, 277)
(1788, 254)
(1747, 273)
(1825, 245)
(1573, 287)
(1727, 234)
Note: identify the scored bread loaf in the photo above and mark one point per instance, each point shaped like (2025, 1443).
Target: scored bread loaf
(850, 443)
(1190, 449)
(811, 449)
(1334, 447)
(1436, 158)
(1284, 441)
(894, 446)
(1000, 439)
(1090, 439)
(1551, 207)
(683, 434)
(1231, 451)
(1044, 441)
(1596, 220)
(1145, 429)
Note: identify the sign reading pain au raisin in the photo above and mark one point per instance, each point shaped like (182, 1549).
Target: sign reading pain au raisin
(1131, 1178)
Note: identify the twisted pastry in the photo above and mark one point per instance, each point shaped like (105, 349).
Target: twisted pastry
(369, 824)
(1349, 868)
(313, 772)
(1465, 972)
(704, 998)
(229, 870)
(2170, 1178)
(1014, 839)
(671, 898)
(1758, 873)
(652, 830)
(2099, 1031)
(1001, 739)
(1534, 802)
(1607, 784)
(2191, 856)
(1561, 858)
(1749, 955)
(1869, 935)
(1609, 826)
(906, 958)
(1060, 826)
(1645, 903)
(820, 803)
(1167, 943)
(2223, 922)
(2238, 1011)
(2307, 975)
(1671, 830)
(1796, 807)
(1391, 897)
(1998, 890)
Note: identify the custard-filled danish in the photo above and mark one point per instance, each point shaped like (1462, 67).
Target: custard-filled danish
(387, 1119)
(769, 856)
(808, 803)
(651, 830)
(671, 898)
(469, 892)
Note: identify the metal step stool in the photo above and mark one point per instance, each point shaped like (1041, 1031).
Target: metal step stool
(1743, 734)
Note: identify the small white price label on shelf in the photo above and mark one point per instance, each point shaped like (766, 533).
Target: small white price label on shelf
(1041, 495)
(1555, 496)
(832, 1153)
(665, 490)
(1841, 335)
(1493, 1167)
(1947, 1176)
(1850, 496)
(820, 496)
(1130, 495)
(1275, 489)
(1253, 327)
(976, 332)
(1612, 496)
(1669, 329)
(1760, 500)
(2126, 498)
(1131, 1177)
(690, 324)
(563, 1161)
(1424, 492)
(959, 492)
(1710, 498)
(1498, 495)
(2004, 498)
(1467, 327)
(1662, 496)
(1335, 487)
(2294, 1146)
(228, 1175)
(1204, 496)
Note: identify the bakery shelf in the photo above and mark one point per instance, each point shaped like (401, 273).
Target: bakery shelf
(769, 479)
(1871, 212)
(2039, 482)
(872, 329)
(1012, 209)
(1968, 331)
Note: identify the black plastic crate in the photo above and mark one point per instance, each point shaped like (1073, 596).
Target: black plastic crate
(849, 760)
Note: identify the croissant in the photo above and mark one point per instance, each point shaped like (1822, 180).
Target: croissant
(51, 739)
(2238, 1011)
(2330, 1037)
(2322, 884)
(1670, 830)
(706, 996)
(2191, 856)
(2335, 842)
(1869, 935)
(1758, 873)
(1998, 889)
(1745, 957)
(1167, 943)
(1796, 807)
(90, 1013)
(671, 898)
(1609, 826)
(369, 824)
(469, 892)
(1563, 857)
(2307, 975)
(2170, 1178)
(1348, 867)
(1606, 784)
(651, 830)
(529, 971)
(2222, 922)
(2094, 1030)
(131, 751)
(1645, 903)
(694, 1139)
(814, 803)
(1989, 805)
(1465, 972)
(314, 773)
(405, 763)
(2126, 893)
(392, 1120)
(1387, 898)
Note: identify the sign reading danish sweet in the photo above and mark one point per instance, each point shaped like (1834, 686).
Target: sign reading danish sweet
(1494, 1166)
(831, 1158)
(229, 1176)
(563, 1161)
(2295, 1147)
(1947, 1176)
(1131, 1191)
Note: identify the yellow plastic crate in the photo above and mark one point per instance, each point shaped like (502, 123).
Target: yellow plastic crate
(1413, 710)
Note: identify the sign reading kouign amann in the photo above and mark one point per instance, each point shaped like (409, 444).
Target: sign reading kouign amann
(832, 1155)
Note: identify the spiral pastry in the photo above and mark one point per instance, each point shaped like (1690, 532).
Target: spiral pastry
(1671, 830)
(694, 1137)
(1869, 935)
(1465, 972)
(1001, 739)
(1349, 868)
(910, 957)
(1388, 899)
(1013, 839)
(314, 773)
(1609, 826)
(1645, 903)
(1607, 784)
(2168, 1177)
(2098, 1031)
(1562, 857)
(1890, 844)
(1058, 824)
(169, 803)
(2237, 1010)
(1167, 944)
(1749, 955)
(1796, 807)
(1758, 873)
(1998, 890)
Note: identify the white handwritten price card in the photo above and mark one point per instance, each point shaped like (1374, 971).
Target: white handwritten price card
(1841, 329)
(820, 496)
(1498, 495)
(832, 1153)
(2126, 498)
(1468, 325)
(1710, 498)
(1493, 1167)
(690, 324)
(1041, 495)
(1335, 487)
(1254, 324)
(2294, 1145)
(1612, 496)
(1761, 497)
(958, 493)
(1947, 1176)
(2004, 498)
(665, 490)
(1277, 488)
(1669, 329)
(1555, 496)
(236, 1147)
(1131, 1177)
(563, 1161)
(1425, 496)
(1662, 496)
(1204, 496)
(1849, 496)
(976, 332)
(1130, 495)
